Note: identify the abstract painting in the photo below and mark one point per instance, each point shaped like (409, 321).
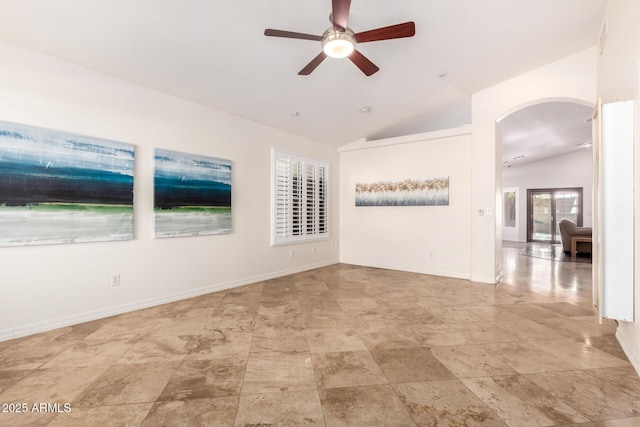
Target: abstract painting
(59, 187)
(192, 194)
(428, 192)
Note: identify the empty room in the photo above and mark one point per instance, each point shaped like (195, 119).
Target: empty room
(325, 213)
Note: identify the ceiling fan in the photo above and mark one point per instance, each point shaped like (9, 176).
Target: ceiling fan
(339, 41)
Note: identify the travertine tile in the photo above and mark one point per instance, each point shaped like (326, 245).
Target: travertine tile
(31, 354)
(566, 309)
(357, 305)
(218, 412)
(123, 328)
(445, 403)
(607, 343)
(60, 385)
(276, 372)
(455, 314)
(322, 346)
(526, 358)
(528, 310)
(409, 317)
(621, 422)
(332, 340)
(282, 341)
(220, 344)
(401, 365)
(127, 383)
(310, 285)
(599, 394)
(581, 355)
(119, 415)
(573, 327)
(378, 338)
(437, 335)
(375, 405)
(27, 419)
(153, 348)
(180, 325)
(347, 368)
(91, 353)
(529, 330)
(484, 332)
(199, 379)
(520, 402)
(9, 378)
(279, 316)
(469, 361)
(494, 313)
(245, 321)
(317, 319)
(293, 408)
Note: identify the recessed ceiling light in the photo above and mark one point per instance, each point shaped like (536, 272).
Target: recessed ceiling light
(365, 110)
(518, 157)
(295, 114)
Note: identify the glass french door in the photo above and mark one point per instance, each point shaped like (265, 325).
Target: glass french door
(547, 207)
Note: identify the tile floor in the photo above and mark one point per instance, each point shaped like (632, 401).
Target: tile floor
(339, 346)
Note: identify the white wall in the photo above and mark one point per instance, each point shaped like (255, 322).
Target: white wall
(425, 239)
(619, 80)
(572, 78)
(49, 286)
(567, 171)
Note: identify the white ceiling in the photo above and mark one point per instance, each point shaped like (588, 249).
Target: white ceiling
(214, 52)
(544, 130)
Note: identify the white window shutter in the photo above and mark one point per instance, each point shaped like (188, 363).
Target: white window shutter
(300, 199)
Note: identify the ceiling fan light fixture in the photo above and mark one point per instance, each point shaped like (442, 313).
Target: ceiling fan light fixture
(338, 44)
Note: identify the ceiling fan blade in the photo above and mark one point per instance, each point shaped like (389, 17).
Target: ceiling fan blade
(313, 64)
(291, 35)
(340, 13)
(363, 63)
(398, 31)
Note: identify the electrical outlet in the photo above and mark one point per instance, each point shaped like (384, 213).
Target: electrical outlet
(313, 251)
(292, 253)
(115, 280)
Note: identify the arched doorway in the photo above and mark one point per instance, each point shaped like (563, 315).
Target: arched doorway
(546, 175)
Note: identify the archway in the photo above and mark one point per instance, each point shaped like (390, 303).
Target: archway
(545, 145)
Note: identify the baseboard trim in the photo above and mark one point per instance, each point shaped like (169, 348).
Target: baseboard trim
(440, 273)
(484, 279)
(627, 351)
(61, 322)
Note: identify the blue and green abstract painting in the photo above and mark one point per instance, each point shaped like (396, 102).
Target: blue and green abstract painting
(59, 187)
(192, 194)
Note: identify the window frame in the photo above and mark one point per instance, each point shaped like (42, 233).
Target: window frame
(303, 208)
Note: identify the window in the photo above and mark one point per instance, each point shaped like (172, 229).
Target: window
(300, 197)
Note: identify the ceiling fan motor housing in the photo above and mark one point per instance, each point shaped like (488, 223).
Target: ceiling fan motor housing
(338, 44)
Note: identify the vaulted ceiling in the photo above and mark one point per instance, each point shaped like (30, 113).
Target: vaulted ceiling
(214, 53)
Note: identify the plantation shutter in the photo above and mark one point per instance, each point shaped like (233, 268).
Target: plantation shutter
(300, 199)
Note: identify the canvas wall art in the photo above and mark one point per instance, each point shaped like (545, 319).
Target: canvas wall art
(192, 194)
(428, 192)
(59, 187)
